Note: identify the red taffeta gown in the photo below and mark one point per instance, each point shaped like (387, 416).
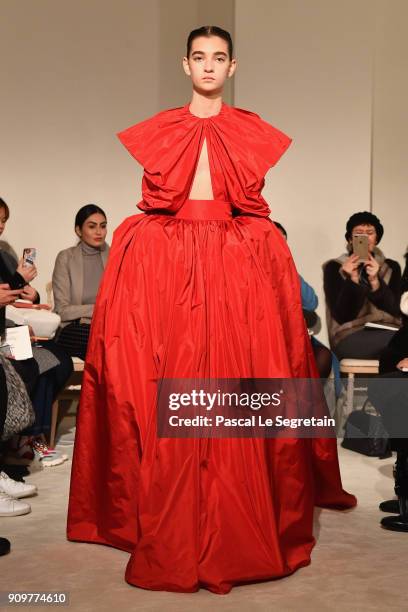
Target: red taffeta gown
(192, 291)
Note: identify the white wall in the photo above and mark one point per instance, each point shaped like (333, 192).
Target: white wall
(390, 125)
(309, 74)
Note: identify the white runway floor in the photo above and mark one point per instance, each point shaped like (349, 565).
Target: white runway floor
(356, 566)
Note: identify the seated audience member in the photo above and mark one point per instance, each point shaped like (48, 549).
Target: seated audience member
(39, 317)
(389, 394)
(360, 294)
(11, 270)
(47, 373)
(76, 277)
(310, 302)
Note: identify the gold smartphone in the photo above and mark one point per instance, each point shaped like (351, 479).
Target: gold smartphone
(360, 247)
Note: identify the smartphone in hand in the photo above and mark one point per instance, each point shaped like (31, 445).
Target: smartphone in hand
(29, 257)
(360, 247)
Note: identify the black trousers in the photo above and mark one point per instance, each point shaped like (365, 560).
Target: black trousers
(364, 344)
(74, 339)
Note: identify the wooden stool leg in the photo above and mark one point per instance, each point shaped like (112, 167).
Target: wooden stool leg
(350, 394)
(54, 417)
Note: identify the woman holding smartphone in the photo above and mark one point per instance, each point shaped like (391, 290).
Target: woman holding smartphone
(48, 372)
(360, 294)
(16, 274)
(200, 285)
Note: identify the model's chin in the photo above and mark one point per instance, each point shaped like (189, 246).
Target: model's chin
(208, 87)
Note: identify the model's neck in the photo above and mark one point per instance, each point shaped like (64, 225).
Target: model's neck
(204, 106)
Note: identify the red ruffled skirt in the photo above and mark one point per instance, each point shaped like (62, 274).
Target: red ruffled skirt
(196, 294)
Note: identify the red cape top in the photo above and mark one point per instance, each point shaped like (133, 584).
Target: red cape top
(241, 149)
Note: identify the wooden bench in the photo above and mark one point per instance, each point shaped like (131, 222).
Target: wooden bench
(353, 367)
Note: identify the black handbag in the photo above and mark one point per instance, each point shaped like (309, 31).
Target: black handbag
(365, 434)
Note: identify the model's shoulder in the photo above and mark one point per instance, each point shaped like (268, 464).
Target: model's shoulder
(257, 125)
(243, 114)
(162, 116)
(147, 128)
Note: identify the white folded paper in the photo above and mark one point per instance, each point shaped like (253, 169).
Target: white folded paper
(18, 341)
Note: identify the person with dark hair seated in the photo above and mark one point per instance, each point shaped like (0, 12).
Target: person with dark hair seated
(360, 296)
(76, 277)
(12, 271)
(47, 373)
(389, 394)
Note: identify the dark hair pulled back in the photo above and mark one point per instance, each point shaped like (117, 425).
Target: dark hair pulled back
(210, 31)
(85, 212)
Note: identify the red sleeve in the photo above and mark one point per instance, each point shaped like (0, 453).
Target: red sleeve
(153, 141)
(138, 140)
(273, 142)
(264, 143)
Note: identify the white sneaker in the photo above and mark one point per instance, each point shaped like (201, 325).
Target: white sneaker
(12, 507)
(53, 460)
(14, 488)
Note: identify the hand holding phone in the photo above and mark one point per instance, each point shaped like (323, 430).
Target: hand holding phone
(26, 265)
(350, 267)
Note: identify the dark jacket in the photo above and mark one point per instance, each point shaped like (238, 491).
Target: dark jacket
(351, 305)
(8, 271)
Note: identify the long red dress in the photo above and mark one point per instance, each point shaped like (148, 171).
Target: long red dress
(191, 291)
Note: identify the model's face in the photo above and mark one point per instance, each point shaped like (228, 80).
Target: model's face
(3, 220)
(93, 232)
(209, 64)
(369, 231)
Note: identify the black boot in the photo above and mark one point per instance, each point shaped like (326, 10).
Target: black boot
(4, 546)
(400, 522)
(390, 506)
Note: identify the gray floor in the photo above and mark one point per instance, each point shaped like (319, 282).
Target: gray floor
(355, 565)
